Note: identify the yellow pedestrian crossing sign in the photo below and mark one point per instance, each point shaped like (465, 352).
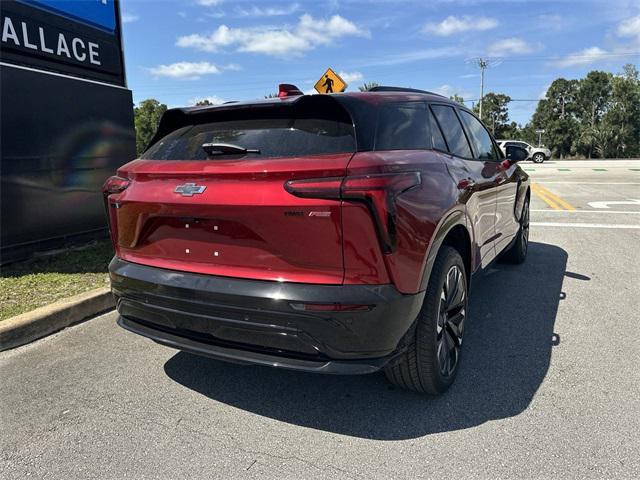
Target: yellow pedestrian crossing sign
(330, 82)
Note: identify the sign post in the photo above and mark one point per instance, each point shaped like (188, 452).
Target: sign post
(330, 82)
(540, 131)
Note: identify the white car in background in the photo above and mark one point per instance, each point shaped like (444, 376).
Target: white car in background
(536, 154)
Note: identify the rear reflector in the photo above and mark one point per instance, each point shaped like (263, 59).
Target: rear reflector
(330, 307)
(377, 191)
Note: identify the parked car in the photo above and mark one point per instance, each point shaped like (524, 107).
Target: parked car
(536, 154)
(320, 233)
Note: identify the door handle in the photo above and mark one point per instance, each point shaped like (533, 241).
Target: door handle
(466, 184)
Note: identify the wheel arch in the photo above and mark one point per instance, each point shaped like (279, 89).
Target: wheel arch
(452, 231)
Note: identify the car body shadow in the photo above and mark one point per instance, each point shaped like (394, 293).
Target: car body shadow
(507, 352)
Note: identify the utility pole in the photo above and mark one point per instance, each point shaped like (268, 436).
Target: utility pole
(483, 64)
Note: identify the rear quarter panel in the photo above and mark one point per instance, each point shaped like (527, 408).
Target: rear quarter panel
(420, 212)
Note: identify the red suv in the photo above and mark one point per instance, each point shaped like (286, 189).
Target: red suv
(322, 233)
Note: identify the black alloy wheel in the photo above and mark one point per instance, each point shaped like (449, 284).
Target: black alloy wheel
(431, 358)
(450, 327)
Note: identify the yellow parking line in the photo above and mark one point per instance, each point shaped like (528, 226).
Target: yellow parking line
(536, 191)
(550, 198)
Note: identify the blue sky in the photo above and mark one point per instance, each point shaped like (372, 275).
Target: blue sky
(181, 51)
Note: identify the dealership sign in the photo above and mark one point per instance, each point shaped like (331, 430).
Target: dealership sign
(78, 38)
(64, 47)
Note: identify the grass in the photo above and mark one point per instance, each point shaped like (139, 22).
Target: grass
(40, 281)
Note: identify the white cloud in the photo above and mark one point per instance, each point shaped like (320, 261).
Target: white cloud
(350, 77)
(129, 17)
(212, 14)
(414, 56)
(185, 70)
(209, 3)
(581, 58)
(255, 11)
(308, 34)
(553, 21)
(449, 91)
(452, 25)
(213, 99)
(630, 28)
(509, 46)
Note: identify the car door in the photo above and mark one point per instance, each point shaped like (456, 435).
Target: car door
(506, 182)
(475, 179)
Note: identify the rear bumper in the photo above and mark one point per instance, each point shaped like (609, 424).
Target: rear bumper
(259, 322)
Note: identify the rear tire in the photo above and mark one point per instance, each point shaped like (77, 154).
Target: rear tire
(517, 253)
(430, 363)
(538, 158)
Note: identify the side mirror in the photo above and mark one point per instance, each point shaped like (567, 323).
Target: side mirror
(516, 154)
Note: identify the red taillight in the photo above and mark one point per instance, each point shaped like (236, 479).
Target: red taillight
(315, 187)
(377, 191)
(115, 184)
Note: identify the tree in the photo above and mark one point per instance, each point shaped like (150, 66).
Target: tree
(623, 115)
(593, 101)
(271, 95)
(146, 117)
(511, 131)
(205, 102)
(495, 113)
(366, 86)
(556, 115)
(457, 98)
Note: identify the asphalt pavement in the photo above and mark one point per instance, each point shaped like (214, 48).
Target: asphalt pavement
(549, 385)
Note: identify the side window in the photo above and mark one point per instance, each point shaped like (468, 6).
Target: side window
(437, 140)
(452, 130)
(482, 144)
(402, 127)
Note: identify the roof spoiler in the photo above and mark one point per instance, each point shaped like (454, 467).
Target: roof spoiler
(401, 89)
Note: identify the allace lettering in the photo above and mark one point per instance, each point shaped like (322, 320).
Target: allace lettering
(21, 34)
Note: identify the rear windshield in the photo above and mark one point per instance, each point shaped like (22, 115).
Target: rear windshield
(278, 132)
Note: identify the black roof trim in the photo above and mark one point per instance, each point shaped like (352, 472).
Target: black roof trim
(382, 88)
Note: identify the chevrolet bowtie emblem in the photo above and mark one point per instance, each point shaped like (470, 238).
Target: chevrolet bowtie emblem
(189, 189)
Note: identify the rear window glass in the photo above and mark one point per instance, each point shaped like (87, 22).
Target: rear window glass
(291, 134)
(436, 135)
(482, 143)
(402, 127)
(452, 131)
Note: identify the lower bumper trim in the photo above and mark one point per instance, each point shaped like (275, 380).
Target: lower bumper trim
(338, 367)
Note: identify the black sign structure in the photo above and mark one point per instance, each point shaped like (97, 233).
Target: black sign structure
(66, 120)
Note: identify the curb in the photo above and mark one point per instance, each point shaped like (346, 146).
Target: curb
(46, 320)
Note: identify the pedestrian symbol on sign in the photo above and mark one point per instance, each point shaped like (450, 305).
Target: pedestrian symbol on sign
(330, 82)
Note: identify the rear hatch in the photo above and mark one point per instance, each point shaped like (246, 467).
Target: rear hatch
(217, 210)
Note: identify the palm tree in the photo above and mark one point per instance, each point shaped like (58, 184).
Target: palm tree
(366, 86)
